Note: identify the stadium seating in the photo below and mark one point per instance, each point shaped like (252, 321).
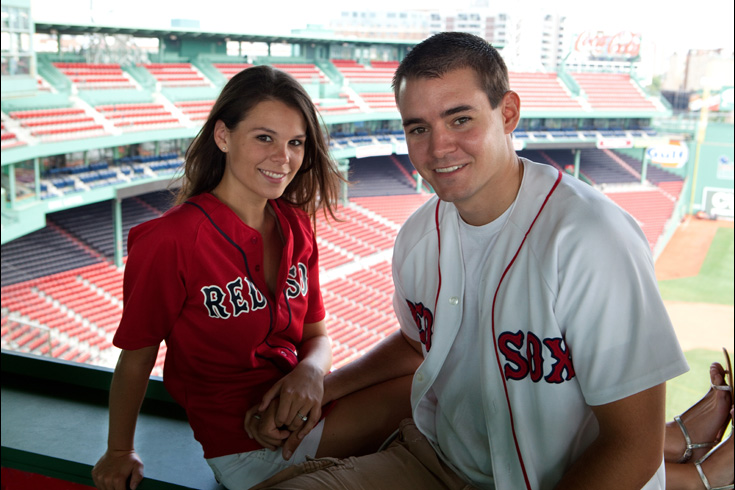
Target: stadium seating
(195, 110)
(9, 139)
(342, 105)
(612, 91)
(229, 70)
(59, 123)
(380, 101)
(651, 208)
(355, 72)
(305, 73)
(96, 76)
(381, 175)
(177, 75)
(542, 91)
(139, 116)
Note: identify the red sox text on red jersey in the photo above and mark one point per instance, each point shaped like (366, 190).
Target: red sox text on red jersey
(241, 295)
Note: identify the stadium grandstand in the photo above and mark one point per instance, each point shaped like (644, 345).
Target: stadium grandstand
(92, 147)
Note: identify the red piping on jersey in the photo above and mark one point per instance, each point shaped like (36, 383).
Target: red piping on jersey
(495, 297)
(439, 251)
(495, 340)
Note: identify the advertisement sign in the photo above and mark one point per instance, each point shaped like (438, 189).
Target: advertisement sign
(725, 168)
(718, 202)
(597, 44)
(718, 101)
(614, 142)
(675, 154)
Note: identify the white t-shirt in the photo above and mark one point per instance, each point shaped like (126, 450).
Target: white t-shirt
(458, 384)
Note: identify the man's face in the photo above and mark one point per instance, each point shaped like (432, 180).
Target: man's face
(457, 141)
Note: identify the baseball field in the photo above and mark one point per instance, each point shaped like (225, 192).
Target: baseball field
(695, 274)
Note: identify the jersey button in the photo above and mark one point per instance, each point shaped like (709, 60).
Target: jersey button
(257, 268)
(420, 377)
(454, 301)
(254, 240)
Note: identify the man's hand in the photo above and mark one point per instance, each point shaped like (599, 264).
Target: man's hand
(262, 427)
(115, 467)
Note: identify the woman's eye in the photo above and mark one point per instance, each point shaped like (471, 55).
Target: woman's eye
(264, 137)
(297, 142)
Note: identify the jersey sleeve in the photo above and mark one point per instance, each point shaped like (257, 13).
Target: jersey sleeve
(154, 289)
(616, 325)
(400, 304)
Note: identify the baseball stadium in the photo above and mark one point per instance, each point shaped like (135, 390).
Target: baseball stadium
(93, 144)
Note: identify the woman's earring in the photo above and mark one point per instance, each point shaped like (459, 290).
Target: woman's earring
(224, 148)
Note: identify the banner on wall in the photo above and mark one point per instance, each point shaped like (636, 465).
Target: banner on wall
(718, 202)
(675, 154)
(725, 168)
(600, 45)
(613, 142)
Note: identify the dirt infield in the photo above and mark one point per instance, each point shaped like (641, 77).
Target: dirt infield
(685, 252)
(697, 325)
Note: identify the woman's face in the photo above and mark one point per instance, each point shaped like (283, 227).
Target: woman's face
(264, 151)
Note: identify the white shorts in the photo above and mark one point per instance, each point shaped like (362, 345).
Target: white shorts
(243, 470)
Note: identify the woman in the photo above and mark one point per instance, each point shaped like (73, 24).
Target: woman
(229, 278)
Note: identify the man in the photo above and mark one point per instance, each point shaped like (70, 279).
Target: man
(531, 297)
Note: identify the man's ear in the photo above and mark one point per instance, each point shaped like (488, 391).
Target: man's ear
(510, 106)
(220, 134)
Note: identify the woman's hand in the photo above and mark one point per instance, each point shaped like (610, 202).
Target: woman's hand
(299, 393)
(115, 468)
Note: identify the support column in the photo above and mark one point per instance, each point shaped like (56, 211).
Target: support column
(11, 185)
(344, 168)
(577, 158)
(117, 230)
(37, 177)
(644, 167)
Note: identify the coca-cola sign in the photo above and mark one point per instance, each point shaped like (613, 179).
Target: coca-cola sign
(624, 44)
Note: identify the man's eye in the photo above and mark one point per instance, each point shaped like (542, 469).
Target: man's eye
(461, 120)
(418, 130)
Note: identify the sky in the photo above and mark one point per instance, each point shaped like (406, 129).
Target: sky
(673, 26)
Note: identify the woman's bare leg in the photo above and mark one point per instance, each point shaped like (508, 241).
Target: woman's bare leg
(704, 420)
(718, 468)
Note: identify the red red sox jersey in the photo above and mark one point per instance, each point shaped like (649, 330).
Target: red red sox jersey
(571, 318)
(194, 278)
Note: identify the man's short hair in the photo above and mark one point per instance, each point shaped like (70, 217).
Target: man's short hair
(449, 51)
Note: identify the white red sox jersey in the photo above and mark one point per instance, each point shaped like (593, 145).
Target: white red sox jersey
(572, 317)
(194, 278)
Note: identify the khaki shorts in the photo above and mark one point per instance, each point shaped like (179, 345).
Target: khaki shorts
(409, 462)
